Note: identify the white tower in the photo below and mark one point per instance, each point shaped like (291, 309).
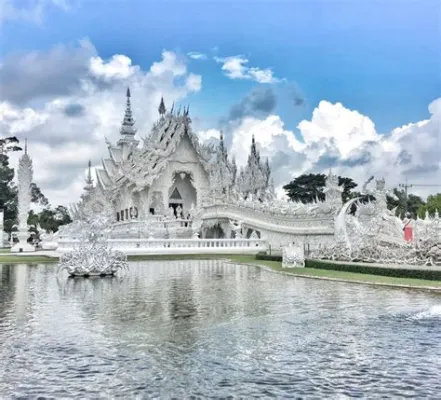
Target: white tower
(24, 174)
(1, 229)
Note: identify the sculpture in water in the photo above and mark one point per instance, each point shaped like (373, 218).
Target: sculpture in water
(92, 256)
(24, 174)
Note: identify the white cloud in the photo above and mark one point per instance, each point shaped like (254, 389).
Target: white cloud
(119, 67)
(209, 134)
(235, 67)
(194, 82)
(169, 64)
(346, 141)
(69, 129)
(197, 56)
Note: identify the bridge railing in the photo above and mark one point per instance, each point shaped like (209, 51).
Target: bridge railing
(177, 246)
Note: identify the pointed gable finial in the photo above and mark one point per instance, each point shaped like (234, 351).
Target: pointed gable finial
(162, 110)
(89, 173)
(89, 180)
(128, 121)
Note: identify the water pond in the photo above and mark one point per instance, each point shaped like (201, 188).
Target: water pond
(210, 329)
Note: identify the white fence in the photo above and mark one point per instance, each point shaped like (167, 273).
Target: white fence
(177, 246)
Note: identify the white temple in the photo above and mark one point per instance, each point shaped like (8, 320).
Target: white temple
(172, 194)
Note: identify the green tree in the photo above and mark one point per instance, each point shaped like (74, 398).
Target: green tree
(307, 187)
(37, 196)
(8, 193)
(52, 219)
(412, 205)
(9, 144)
(432, 205)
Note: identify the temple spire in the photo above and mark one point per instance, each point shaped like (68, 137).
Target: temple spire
(128, 121)
(89, 180)
(162, 110)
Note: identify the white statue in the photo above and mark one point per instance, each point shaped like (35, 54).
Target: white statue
(293, 256)
(92, 256)
(236, 227)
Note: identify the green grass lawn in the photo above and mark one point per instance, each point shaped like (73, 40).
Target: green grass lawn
(347, 276)
(9, 259)
(250, 259)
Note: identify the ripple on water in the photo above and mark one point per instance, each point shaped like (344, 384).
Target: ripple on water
(209, 329)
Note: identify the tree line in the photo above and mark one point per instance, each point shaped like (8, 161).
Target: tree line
(49, 218)
(307, 188)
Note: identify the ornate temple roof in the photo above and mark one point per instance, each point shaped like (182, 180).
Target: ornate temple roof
(143, 165)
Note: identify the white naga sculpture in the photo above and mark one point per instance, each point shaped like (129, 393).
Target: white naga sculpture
(375, 234)
(236, 227)
(293, 256)
(92, 256)
(49, 240)
(24, 174)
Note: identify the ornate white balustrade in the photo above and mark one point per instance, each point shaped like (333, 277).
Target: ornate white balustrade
(268, 219)
(177, 246)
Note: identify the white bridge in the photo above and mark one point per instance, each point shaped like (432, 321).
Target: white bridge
(276, 228)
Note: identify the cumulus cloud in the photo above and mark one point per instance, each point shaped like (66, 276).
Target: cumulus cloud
(347, 141)
(119, 67)
(66, 128)
(235, 67)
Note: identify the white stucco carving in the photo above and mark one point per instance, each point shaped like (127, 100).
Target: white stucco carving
(293, 256)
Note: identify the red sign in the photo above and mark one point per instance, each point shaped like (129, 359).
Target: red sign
(408, 234)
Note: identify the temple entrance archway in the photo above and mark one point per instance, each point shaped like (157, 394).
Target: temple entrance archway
(182, 194)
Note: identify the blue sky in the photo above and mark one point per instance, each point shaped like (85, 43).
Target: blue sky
(382, 58)
(320, 83)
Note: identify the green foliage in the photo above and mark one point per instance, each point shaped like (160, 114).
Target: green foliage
(8, 193)
(433, 203)
(9, 144)
(52, 219)
(38, 197)
(417, 273)
(308, 187)
(413, 204)
(268, 257)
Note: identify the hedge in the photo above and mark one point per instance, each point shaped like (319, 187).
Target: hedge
(416, 273)
(268, 257)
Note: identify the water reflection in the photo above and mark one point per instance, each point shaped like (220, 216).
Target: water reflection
(207, 328)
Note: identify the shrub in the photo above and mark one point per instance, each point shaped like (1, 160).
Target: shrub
(402, 272)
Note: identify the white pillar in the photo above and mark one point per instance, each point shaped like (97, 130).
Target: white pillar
(2, 243)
